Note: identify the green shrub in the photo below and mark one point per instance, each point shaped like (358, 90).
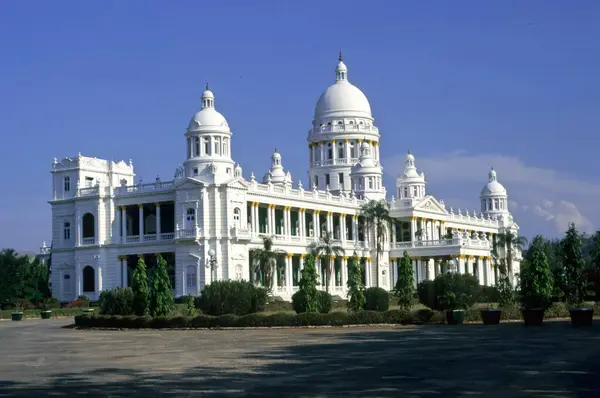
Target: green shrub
(141, 290)
(377, 299)
(232, 297)
(455, 291)
(489, 294)
(161, 300)
(426, 294)
(299, 302)
(356, 289)
(83, 298)
(405, 288)
(190, 308)
(117, 301)
(51, 303)
(325, 301)
(536, 280)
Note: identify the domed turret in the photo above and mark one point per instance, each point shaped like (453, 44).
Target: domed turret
(411, 184)
(341, 122)
(208, 143)
(276, 174)
(366, 175)
(494, 198)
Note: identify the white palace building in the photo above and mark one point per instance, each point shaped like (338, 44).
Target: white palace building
(206, 220)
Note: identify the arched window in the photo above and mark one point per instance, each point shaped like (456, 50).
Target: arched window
(89, 284)
(329, 152)
(88, 226)
(341, 150)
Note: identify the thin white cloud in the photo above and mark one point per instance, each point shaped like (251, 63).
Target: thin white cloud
(536, 194)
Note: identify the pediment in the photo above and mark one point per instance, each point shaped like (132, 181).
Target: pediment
(238, 183)
(431, 205)
(189, 183)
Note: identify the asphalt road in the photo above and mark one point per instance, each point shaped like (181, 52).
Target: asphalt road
(42, 358)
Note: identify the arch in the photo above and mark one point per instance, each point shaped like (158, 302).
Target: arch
(88, 226)
(89, 279)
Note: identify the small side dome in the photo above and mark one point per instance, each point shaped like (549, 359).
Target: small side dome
(208, 115)
(493, 187)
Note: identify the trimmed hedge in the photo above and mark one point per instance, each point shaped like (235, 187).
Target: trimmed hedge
(232, 297)
(282, 319)
(324, 300)
(377, 299)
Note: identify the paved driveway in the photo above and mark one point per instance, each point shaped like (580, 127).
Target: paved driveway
(40, 358)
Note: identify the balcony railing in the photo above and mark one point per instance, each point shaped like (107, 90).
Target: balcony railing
(461, 242)
(144, 188)
(88, 241)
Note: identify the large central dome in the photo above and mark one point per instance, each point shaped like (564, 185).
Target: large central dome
(342, 99)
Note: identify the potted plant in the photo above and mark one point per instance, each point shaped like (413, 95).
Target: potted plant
(536, 284)
(17, 314)
(492, 314)
(575, 279)
(45, 312)
(455, 293)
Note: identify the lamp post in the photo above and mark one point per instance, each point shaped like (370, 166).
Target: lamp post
(211, 263)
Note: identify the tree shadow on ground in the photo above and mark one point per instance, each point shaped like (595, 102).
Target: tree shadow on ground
(507, 360)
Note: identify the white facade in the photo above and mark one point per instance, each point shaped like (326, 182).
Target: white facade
(102, 221)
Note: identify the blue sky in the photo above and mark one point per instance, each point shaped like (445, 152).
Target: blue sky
(463, 84)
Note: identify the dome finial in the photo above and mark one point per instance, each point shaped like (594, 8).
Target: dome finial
(409, 151)
(206, 86)
(341, 58)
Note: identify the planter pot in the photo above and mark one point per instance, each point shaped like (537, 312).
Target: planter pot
(491, 316)
(581, 316)
(16, 316)
(455, 317)
(46, 314)
(533, 316)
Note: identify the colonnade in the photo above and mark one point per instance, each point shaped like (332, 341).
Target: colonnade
(427, 268)
(320, 155)
(286, 279)
(305, 223)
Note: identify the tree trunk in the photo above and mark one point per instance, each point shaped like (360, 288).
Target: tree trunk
(328, 274)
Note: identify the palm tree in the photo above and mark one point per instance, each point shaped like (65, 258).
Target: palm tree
(510, 241)
(326, 248)
(377, 217)
(264, 260)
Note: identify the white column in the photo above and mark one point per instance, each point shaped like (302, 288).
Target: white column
(302, 222)
(393, 240)
(413, 229)
(269, 220)
(252, 218)
(123, 224)
(344, 272)
(355, 228)
(78, 277)
(158, 231)
(368, 272)
(460, 264)
(287, 228)
(333, 158)
(123, 271)
(430, 269)
(141, 221)
(347, 149)
(316, 224)
(289, 277)
(343, 229)
(330, 222)
(78, 228)
(256, 213)
(481, 271)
